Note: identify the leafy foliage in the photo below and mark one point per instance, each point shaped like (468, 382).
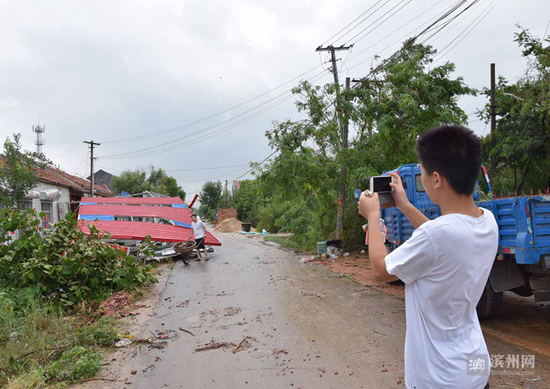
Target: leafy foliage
(18, 172)
(521, 155)
(211, 199)
(66, 266)
(138, 182)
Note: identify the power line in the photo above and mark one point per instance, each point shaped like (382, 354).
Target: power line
(207, 129)
(353, 21)
(383, 21)
(439, 18)
(147, 151)
(259, 163)
(211, 116)
(480, 17)
(350, 40)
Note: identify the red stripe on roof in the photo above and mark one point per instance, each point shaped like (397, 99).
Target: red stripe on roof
(138, 231)
(134, 200)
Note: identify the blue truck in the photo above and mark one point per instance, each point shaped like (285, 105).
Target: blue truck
(522, 264)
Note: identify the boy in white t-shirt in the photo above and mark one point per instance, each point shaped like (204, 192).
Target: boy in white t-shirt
(444, 265)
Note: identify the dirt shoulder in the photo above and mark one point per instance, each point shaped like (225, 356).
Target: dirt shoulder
(115, 359)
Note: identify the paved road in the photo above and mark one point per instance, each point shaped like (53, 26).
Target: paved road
(305, 327)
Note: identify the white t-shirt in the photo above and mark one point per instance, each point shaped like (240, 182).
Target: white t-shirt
(198, 229)
(445, 266)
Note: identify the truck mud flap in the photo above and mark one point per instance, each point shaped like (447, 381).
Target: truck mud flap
(505, 275)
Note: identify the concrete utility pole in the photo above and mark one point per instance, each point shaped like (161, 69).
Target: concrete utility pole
(226, 193)
(493, 119)
(92, 144)
(342, 126)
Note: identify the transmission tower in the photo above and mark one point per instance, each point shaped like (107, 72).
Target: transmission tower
(39, 130)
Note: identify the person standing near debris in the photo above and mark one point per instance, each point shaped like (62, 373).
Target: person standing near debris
(200, 233)
(444, 265)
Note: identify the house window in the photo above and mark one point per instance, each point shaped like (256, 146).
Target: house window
(123, 218)
(25, 204)
(47, 208)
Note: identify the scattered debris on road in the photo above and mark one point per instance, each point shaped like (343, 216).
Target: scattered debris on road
(124, 342)
(189, 332)
(118, 305)
(213, 345)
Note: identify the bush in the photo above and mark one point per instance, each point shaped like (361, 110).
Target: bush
(66, 266)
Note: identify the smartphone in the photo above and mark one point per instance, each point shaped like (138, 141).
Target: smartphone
(380, 184)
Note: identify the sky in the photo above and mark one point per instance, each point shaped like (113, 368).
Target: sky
(192, 86)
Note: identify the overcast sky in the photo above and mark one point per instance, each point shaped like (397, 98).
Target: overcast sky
(113, 71)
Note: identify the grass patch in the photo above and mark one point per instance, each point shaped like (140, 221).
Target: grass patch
(40, 347)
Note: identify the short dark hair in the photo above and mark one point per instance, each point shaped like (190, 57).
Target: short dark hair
(454, 152)
(193, 215)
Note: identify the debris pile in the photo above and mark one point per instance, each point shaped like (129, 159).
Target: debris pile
(224, 214)
(118, 305)
(229, 225)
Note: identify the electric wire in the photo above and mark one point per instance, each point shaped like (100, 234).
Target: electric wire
(148, 151)
(211, 116)
(451, 20)
(370, 25)
(353, 21)
(383, 21)
(481, 16)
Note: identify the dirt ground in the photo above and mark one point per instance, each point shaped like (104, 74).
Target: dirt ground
(522, 322)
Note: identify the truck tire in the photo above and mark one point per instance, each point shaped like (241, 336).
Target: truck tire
(490, 303)
(540, 282)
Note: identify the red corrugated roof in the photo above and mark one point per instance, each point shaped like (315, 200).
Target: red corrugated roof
(179, 214)
(138, 231)
(135, 200)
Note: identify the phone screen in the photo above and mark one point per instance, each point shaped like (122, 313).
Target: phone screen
(382, 184)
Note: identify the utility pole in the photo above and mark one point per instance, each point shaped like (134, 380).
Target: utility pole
(493, 119)
(343, 129)
(92, 144)
(226, 194)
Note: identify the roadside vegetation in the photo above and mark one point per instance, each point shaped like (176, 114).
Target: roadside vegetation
(398, 100)
(51, 283)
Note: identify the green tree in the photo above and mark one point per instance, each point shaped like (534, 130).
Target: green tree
(158, 181)
(211, 197)
(18, 172)
(138, 182)
(130, 181)
(399, 100)
(521, 155)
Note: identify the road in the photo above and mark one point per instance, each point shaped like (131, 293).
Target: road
(303, 327)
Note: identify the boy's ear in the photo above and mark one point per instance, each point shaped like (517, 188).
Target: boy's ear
(438, 180)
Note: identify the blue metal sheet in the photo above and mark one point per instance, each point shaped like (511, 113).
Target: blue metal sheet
(179, 205)
(97, 217)
(86, 203)
(181, 224)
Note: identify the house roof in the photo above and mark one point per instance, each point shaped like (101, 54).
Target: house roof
(76, 184)
(55, 176)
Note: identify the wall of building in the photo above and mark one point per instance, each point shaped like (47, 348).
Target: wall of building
(60, 208)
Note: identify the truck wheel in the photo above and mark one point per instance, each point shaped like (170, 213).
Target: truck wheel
(540, 282)
(490, 303)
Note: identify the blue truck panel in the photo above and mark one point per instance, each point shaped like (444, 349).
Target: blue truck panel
(524, 222)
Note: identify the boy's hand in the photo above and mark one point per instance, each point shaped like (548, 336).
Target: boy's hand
(369, 205)
(398, 192)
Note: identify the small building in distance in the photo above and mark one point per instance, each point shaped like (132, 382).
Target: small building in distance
(102, 178)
